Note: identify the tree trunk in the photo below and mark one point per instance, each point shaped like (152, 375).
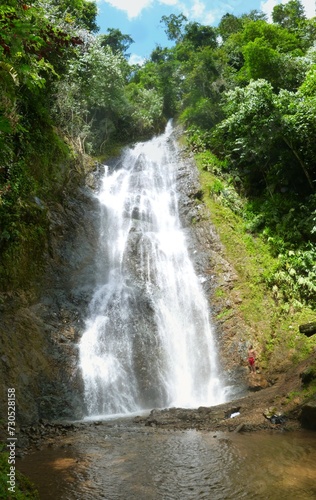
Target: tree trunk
(309, 180)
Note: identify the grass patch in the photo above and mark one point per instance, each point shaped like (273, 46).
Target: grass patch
(272, 322)
(23, 490)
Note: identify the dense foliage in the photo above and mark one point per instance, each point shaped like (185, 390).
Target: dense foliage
(248, 96)
(64, 92)
(245, 91)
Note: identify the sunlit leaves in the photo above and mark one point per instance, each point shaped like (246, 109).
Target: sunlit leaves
(71, 14)
(290, 16)
(271, 135)
(295, 278)
(273, 35)
(147, 108)
(308, 87)
(250, 126)
(261, 61)
(99, 70)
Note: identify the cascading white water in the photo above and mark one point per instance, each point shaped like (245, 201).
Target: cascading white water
(148, 340)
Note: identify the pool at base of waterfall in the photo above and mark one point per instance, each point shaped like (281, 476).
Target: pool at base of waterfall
(116, 460)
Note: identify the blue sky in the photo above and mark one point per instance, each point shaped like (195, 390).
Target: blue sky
(141, 18)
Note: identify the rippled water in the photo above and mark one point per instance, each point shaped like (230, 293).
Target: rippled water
(121, 461)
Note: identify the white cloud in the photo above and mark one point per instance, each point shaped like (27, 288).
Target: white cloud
(132, 8)
(193, 9)
(198, 8)
(267, 8)
(200, 12)
(169, 2)
(209, 18)
(180, 6)
(268, 5)
(135, 59)
(309, 7)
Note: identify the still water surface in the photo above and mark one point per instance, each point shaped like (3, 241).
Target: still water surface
(120, 461)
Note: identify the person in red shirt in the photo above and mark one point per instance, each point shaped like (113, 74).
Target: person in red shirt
(252, 359)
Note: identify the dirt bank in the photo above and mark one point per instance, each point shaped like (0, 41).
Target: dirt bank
(265, 409)
(250, 413)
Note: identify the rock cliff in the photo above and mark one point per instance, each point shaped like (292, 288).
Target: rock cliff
(40, 329)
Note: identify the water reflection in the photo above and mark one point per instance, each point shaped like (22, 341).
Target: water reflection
(129, 463)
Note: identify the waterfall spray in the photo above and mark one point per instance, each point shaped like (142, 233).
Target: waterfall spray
(148, 340)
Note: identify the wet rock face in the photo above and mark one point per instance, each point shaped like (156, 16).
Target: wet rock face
(70, 281)
(308, 415)
(207, 255)
(141, 323)
(39, 336)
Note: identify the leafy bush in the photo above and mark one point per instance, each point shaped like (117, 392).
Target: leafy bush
(199, 140)
(295, 278)
(288, 225)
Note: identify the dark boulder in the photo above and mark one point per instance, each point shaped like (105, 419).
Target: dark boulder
(308, 415)
(308, 329)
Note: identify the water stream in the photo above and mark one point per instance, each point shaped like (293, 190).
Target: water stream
(148, 340)
(119, 461)
(148, 343)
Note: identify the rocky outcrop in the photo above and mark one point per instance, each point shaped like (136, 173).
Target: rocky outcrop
(208, 256)
(40, 333)
(308, 415)
(257, 382)
(308, 329)
(241, 415)
(39, 328)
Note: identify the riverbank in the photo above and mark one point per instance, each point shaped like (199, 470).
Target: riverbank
(118, 459)
(176, 453)
(260, 410)
(70, 456)
(252, 413)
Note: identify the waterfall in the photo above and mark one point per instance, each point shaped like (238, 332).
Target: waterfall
(148, 340)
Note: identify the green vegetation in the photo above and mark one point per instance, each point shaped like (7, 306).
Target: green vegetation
(244, 91)
(272, 320)
(250, 115)
(65, 92)
(309, 381)
(23, 487)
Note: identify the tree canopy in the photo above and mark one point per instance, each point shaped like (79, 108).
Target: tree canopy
(244, 91)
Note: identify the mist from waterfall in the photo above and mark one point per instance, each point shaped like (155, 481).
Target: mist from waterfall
(148, 340)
